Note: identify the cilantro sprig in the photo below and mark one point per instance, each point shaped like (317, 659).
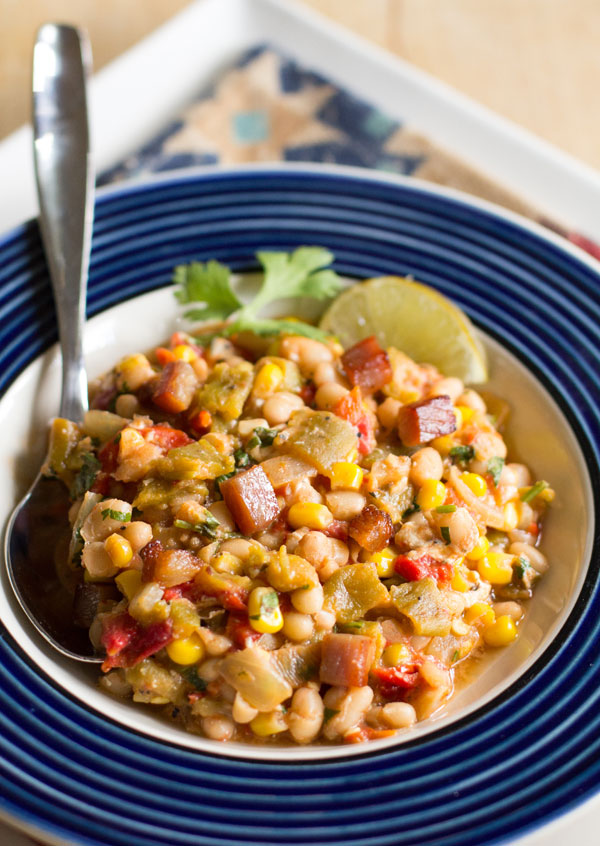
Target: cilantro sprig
(305, 272)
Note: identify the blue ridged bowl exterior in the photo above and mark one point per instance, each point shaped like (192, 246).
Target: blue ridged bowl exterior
(528, 756)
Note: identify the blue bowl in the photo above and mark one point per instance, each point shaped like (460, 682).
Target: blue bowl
(73, 775)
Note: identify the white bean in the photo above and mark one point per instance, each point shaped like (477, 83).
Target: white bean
(98, 525)
(308, 601)
(434, 675)
(324, 372)
(344, 505)
(537, 559)
(351, 704)
(246, 427)
(321, 550)
(240, 547)
(218, 728)
(306, 352)
(510, 609)
(425, 464)
(223, 515)
(138, 534)
(324, 621)
(328, 394)
(126, 405)
(96, 560)
(520, 473)
(472, 399)
(398, 714)
(242, 711)
(451, 386)
(388, 412)
(297, 627)
(280, 407)
(306, 715)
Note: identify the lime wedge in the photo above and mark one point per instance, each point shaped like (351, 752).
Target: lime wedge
(412, 317)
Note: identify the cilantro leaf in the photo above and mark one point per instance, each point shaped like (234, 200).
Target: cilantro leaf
(301, 273)
(494, 468)
(86, 476)
(445, 532)
(463, 454)
(209, 283)
(297, 274)
(121, 516)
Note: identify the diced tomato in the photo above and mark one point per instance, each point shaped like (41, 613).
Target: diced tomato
(164, 356)
(367, 364)
(229, 593)
(240, 631)
(109, 454)
(200, 421)
(415, 569)
(127, 642)
(351, 408)
(307, 393)
(394, 682)
(363, 733)
(533, 528)
(166, 437)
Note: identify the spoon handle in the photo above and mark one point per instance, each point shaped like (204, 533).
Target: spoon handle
(65, 182)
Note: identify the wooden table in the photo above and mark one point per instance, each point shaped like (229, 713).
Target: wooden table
(534, 61)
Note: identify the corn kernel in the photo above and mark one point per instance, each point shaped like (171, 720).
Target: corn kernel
(133, 371)
(547, 495)
(502, 632)
(119, 550)
(475, 483)
(496, 568)
(459, 581)
(268, 379)
(345, 474)
(480, 612)
(183, 352)
(186, 650)
(465, 412)
(396, 653)
(268, 722)
(479, 550)
(511, 516)
(384, 561)
(225, 562)
(458, 417)
(459, 627)
(443, 444)
(313, 515)
(431, 495)
(129, 582)
(264, 612)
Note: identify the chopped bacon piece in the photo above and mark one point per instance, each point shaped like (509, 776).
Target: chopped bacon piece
(127, 642)
(423, 421)
(170, 567)
(351, 408)
(251, 499)
(367, 365)
(372, 528)
(176, 387)
(394, 682)
(415, 569)
(346, 659)
(337, 529)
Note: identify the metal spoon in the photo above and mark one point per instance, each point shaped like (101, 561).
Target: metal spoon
(65, 183)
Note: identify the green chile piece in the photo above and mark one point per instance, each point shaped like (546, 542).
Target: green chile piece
(423, 603)
(319, 437)
(353, 590)
(199, 460)
(226, 390)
